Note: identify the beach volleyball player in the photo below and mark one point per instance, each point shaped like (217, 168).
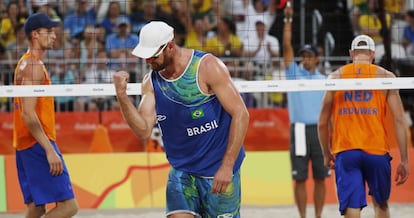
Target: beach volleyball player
(42, 173)
(202, 118)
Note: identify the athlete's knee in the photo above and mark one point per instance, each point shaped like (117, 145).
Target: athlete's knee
(300, 181)
(383, 206)
(64, 209)
(35, 211)
(71, 207)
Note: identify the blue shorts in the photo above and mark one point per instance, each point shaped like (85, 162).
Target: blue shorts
(36, 182)
(191, 194)
(353, 169)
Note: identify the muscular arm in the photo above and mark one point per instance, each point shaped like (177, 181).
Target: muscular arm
(215, 78)
(324, 125)
(324, 120)
(142, 120)
(395, 105)
(218, 81)
(394, 102)
(33, 74)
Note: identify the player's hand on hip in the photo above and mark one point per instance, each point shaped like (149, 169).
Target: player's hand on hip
(329, 160)
(221, 180)
(402, 173)
(55, 163)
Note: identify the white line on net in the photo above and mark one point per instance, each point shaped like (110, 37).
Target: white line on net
(242, 86)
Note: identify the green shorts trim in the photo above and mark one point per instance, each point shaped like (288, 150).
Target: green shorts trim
(191, 194)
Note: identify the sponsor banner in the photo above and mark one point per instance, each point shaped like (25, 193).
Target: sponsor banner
(268, 130)
(6, 133)
(75, 132)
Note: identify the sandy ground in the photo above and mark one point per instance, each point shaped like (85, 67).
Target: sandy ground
(397, 211)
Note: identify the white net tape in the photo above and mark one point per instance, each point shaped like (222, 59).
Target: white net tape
(242, 86)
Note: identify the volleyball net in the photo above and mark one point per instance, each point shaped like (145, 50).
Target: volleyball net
(261, 86)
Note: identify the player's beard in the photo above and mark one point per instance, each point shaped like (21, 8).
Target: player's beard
(161, 66)
(50, 45)
(47, 45)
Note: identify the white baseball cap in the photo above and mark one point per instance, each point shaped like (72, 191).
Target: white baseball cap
(363, 42)
(152, 36)
(40, 2)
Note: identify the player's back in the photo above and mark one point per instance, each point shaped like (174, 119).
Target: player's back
(359, 115)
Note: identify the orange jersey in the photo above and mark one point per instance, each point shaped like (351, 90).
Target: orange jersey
(359, 115)
(22, 138)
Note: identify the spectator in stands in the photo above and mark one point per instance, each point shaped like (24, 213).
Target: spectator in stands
(141, 17)
(65, 8)
(5, 79)
(103, 7)
(75, 23)
(200, 8)
(109, 21)
(62, 75)
(238, 11)
(74, 48)
(304, 143)
(97, 73)
(22, 9)
(12, 53)
(18, 47)
(197, 34)
(226, 44)
(179, 19)
(406, 70)
(3, 10)
(395, 8)
(217, 11)
(47, 7)
(120, 44)
(408, 34)
(68, 51)
(261, 48)
(357, 8)
(62, 69)
(61, 49)
(211, 11)
(257, 10)
(8, 24)
(89, 45)
(369, 23)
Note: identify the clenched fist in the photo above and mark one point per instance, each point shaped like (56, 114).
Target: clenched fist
(121, 79)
